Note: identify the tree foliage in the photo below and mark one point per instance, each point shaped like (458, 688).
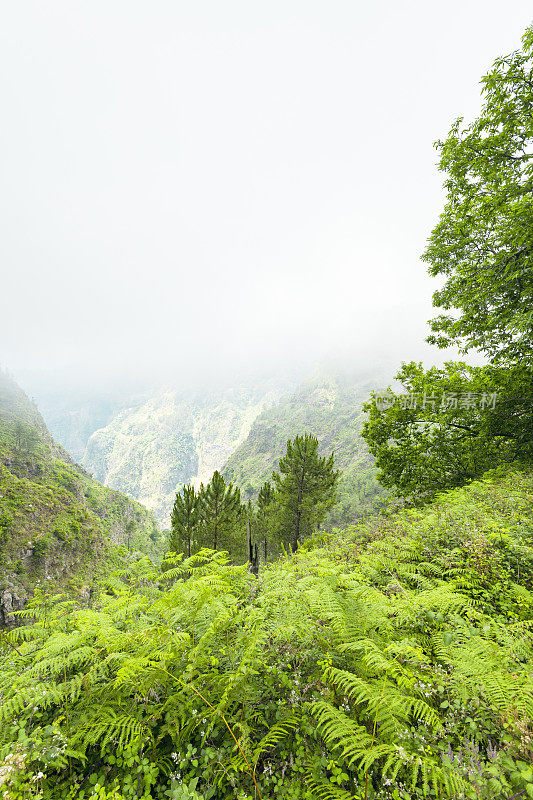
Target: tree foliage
(220, 509)
(216, 518)
(483, 243)
(305, 489)
(184, 520)
(449, 426)
(483, 247)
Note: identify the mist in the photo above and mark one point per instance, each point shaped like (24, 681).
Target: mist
(202, 189)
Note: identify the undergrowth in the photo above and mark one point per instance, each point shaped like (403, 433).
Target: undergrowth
(390, 661)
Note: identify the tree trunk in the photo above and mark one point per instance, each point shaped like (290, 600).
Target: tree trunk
(253, 556)
(298, 513)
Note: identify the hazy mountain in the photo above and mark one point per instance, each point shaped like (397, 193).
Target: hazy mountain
(152, 448)
(328, 405)
(148, 442)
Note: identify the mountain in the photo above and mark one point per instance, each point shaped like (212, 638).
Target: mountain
(74, 406)
(329, 406)
(57, 523)
(156, 445)
(147, 442)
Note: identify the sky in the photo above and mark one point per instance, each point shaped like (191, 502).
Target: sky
(193, 185)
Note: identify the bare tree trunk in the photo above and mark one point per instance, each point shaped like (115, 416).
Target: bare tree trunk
(298, 513)
(253, 556)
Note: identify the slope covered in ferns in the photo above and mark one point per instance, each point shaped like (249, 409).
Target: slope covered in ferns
(392, 661)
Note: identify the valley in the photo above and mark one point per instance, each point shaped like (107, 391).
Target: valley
(152, 443)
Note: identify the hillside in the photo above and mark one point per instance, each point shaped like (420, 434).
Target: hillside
(57, 523)
(153, 447)
(329, 406)
(391, 660)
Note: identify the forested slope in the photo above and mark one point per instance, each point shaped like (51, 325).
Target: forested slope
(329, 405)
(56, 522)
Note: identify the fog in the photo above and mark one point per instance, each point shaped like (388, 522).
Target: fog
(199, 187)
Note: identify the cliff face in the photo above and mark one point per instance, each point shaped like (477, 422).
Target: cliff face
(57, 523)
(150, 450)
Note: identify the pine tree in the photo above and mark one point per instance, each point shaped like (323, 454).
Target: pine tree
(185, 518)
(265, 501)
(220, 509)
(306, 489)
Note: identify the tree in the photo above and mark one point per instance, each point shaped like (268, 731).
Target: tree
(253, 555)
(220, 509)
(25, 438)
(265, 514)
(129, 531)
(450, 426)
(305, 488)
(483, 246)
(483, 243)
(184, 520)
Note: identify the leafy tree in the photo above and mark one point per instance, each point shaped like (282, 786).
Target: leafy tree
(220, 510)
(184, 520)
(451, 425)
(305, 488)
(483, 246)
(483, 243)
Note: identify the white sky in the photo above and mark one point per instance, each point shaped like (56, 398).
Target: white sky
(215, 181)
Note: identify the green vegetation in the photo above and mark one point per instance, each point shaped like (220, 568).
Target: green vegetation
(449, 427)
(184, 520)
(220, 507)
(305, 489)
(483, 242)
(214, 517)
(393, 661)
(469, 418)
(57, 524)
(329, 407)
(390, 660)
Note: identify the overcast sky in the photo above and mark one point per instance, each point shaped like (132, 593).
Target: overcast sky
(207, 181)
